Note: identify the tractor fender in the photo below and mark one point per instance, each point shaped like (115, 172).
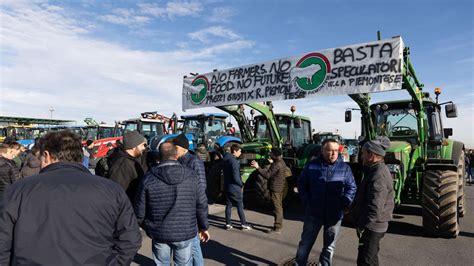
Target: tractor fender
(458, 148)
(226, 139)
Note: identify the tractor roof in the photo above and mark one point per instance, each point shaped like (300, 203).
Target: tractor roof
(204, 115)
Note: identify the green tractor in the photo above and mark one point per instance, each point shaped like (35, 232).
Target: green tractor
(290, 132)
(427, 167)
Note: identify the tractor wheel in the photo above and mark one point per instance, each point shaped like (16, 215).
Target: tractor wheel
(256, 192)
(439, 203)
(215, 181)
(462, 181)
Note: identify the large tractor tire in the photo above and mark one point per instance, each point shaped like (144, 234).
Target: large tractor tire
(462, 181)
(256, 192)
(215, 182)
(440, 203)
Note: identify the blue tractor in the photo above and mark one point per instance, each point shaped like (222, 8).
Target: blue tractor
(206, 132)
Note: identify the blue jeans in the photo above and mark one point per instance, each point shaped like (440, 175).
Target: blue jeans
(198, 260)
(310, 232)
(236, 201)
(181, 252)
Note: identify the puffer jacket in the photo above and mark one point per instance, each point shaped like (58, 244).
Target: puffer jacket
(9, 173)
(170, 204)
(374, 203)
(276, 175)
(193, 162)
(326, 189)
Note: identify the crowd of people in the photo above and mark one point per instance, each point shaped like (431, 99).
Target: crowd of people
(47, 197)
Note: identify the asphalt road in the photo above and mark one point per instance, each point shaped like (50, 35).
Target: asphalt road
(404, 244)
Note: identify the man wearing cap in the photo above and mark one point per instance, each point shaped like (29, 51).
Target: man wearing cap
(326, 187)
(374, 202)
(126, 167)
(192, 161)
(276, 176)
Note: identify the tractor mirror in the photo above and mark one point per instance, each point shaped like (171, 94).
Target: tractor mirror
(297, 122)
(448, 132)
(348, 116)
(451, 110)
(210, 122)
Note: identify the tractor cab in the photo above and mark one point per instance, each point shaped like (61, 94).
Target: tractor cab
(206, 128)
(150, 125)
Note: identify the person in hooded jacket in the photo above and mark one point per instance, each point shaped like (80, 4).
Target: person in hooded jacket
(172, 208)
(31, 165)
(326, 188)
(126, 167)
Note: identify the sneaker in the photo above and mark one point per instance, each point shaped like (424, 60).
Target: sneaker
(246, 227)
(228, 227)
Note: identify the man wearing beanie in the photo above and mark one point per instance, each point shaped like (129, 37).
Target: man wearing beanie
(374, 202)
(276, 176)
(126, 165)
(192, 161)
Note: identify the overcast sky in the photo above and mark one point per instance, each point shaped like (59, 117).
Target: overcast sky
(112, 60)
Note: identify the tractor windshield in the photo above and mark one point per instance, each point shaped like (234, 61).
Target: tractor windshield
(217, 128)
(151, 129)
(130, 126)
(261, 129)
(106, 132)
(193, 126)
(91, 133)
(299, 136)
(400, 122)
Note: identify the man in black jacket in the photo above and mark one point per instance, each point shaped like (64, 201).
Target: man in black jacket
(9, 172)
(65, 215)
(276, 176)
(171, 206)
(374, 201)
(126, 167)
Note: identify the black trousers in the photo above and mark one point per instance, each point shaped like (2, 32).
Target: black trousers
(369, 246)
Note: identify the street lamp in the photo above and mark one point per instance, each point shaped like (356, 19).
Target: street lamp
(51, 109)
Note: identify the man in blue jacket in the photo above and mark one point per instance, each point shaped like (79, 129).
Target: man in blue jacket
(326, 187)
(192, 161)
(171, 206)
(233, 187)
